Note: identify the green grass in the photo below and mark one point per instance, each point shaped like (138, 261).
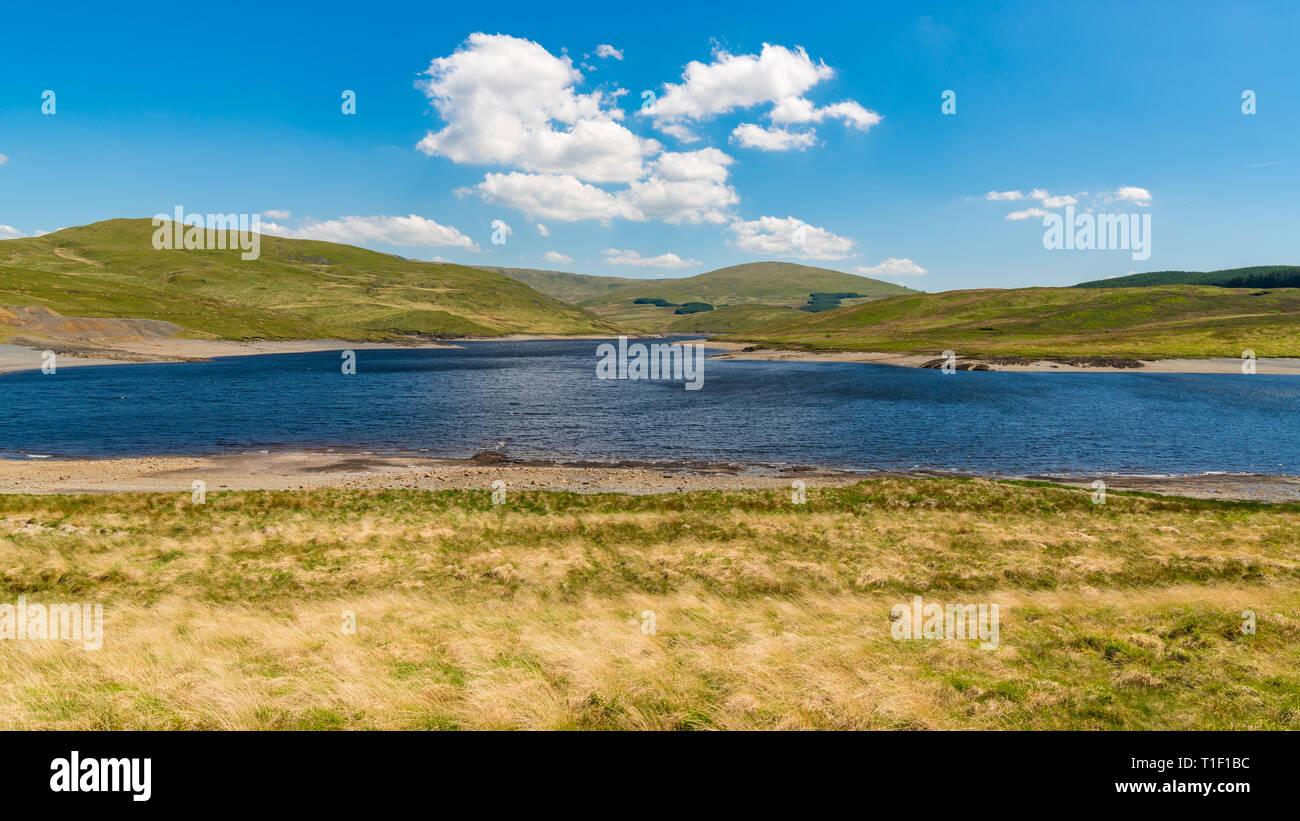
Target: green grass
(297, 289)
(1148, 323)
(1125, 615)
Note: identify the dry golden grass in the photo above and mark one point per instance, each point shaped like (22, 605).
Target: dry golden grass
(767, 615)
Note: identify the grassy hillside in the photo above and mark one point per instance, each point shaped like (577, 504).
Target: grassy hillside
(766, 615)
(574, 288)
(730, 319)
(773, 285)
(296, 289)
(1261, 276)
(1147, 323)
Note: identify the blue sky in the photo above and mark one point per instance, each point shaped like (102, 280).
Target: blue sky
(836, 128)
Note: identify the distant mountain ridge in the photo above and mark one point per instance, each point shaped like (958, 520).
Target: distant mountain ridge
(1259, 276)
(772, 288)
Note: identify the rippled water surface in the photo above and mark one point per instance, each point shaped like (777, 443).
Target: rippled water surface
(542, 399)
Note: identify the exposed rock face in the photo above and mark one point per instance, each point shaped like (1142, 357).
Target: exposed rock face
(37, 321)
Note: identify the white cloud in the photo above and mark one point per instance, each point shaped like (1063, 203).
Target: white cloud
(554, 196)
(892, 267)
(683, 187)
(749, 135)
(1026, 214)
(614, 256)
(1133, 194)
(10, 232)
(800, 110)
(505, 101)
(679, 132)
(738, 81)
(1050, 201)
(1126, 193)
(777, 75)
(776, 236)
(556, 256)
(402, 231)
(604, 50)
(276, 214)
(502, 97)
(543, 230)
(3, 159)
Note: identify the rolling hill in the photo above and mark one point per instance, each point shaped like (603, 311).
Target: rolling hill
(1174, 321)
(297, 289)
(1260, 276)
(566, 287)
(774, 288)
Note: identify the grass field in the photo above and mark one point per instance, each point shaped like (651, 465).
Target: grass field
(1166, 322)
(296, 289)
(530, 614)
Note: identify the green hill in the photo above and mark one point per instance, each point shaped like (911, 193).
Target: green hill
(296, 289)
(1260, 276)
(770, 286)
(560, 285)
(1146, 323)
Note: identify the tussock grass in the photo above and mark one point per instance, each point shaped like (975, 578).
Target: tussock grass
(767, 615)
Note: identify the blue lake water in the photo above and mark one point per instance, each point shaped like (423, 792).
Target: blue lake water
(543, 400)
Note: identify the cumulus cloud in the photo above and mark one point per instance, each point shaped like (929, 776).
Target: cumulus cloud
(891, 267)
(556, 256)
(411, 230)
(553, 196)
(605, 50)
(1131, 193)
(749, 135)
(502, 99)
(996, 196)
(1026, 214)
(685, 187)
(682, 187)
(10, 232)
(276, 214)
(790, 237)
(679, 132)
(508, 101)
(777, 76)
(1050, 201)
(614, 256)
(543, 230)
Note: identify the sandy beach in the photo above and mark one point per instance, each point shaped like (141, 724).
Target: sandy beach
(308, 470)
(22, 358)
(1278, 366)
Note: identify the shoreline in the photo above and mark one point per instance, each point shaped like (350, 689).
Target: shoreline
(1277, 366)
(312, 470)
(18, 358)
(15, 358)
